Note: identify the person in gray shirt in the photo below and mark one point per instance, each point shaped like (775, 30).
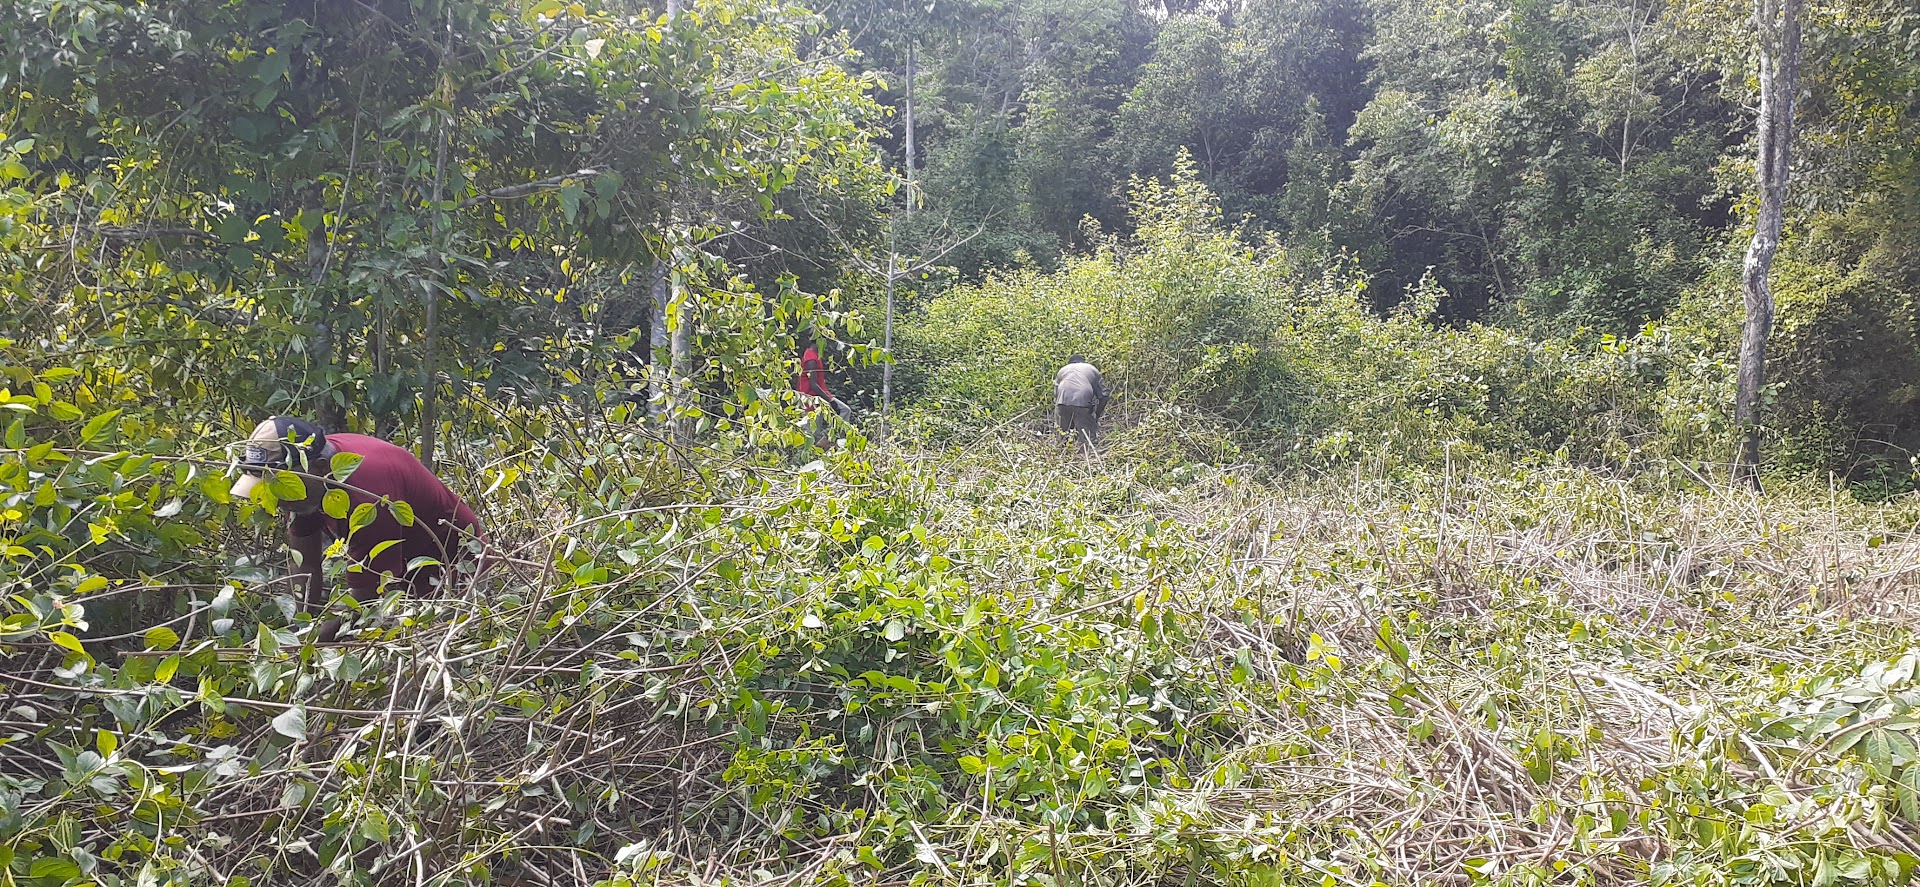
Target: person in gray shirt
(1079, 397)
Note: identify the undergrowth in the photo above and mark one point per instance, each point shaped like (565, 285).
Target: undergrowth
(991, 664)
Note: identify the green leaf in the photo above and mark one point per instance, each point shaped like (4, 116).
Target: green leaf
(96, 425)
(362, 516)
(402, 512)
(217, 488)
(570, 200)
(292, 723)
(161, 638)
(1907, 791)
(383, 546)
(17, 434)
(895, 630)
(64, 411)
(1879, 752)
(53, 867)
(373, 825)
(168, 667)
(1900, 748)
(106, 742)
(341, 466)
(288, 486)
(336, 503)
(70, 642)
(265, 640)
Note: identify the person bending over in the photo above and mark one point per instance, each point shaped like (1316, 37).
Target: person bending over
(418, 528)
(1079, 397)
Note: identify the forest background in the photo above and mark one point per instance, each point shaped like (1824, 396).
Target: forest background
(1422, 315)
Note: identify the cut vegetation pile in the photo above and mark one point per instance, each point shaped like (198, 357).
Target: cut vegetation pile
(990, 666)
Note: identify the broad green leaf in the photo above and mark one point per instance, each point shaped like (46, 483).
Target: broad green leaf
(17, 434)
(288, 486)
(217, 488)
(1900, 748)
(265, 640)
(1907, 790)
(341, 466)
(96, 425)
(373, 825)
(168, 667)
(362, 516)
(336, 504)
(106, 741)
(64, 411)
(54, 867)
(292, 723)
(1878, 752)
(161, 638)
(69, 642)
(402, 512)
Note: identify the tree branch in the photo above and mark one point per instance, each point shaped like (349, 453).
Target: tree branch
(528, 189)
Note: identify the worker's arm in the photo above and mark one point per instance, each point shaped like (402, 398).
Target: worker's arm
(817, 374)
(307, 551)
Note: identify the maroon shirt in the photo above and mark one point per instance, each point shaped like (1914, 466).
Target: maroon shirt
(813, 375)
(441, 522)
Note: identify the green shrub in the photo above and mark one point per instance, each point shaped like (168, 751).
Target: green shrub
(1291, 360)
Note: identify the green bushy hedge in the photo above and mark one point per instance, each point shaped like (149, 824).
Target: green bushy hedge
(1289, 358)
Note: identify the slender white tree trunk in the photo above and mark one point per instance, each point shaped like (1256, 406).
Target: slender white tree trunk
(893, 262)
(1778, 25)
(660, 343)
(673, 341)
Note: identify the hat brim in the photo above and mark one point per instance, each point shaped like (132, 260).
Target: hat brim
(243, 487)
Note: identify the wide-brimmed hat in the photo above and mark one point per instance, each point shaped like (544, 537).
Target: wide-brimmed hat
(283, 443)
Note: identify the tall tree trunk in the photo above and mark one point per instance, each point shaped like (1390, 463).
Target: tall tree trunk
(1778, 25)
(893, 262)
(430, 334)
(674, 341)
(682, 367)
(660, 342)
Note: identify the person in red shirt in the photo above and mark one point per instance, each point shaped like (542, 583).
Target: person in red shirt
(812, 383)
(419, 528)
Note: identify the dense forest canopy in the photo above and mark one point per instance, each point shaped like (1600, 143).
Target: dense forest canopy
(1406, 552)
(412, 195)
